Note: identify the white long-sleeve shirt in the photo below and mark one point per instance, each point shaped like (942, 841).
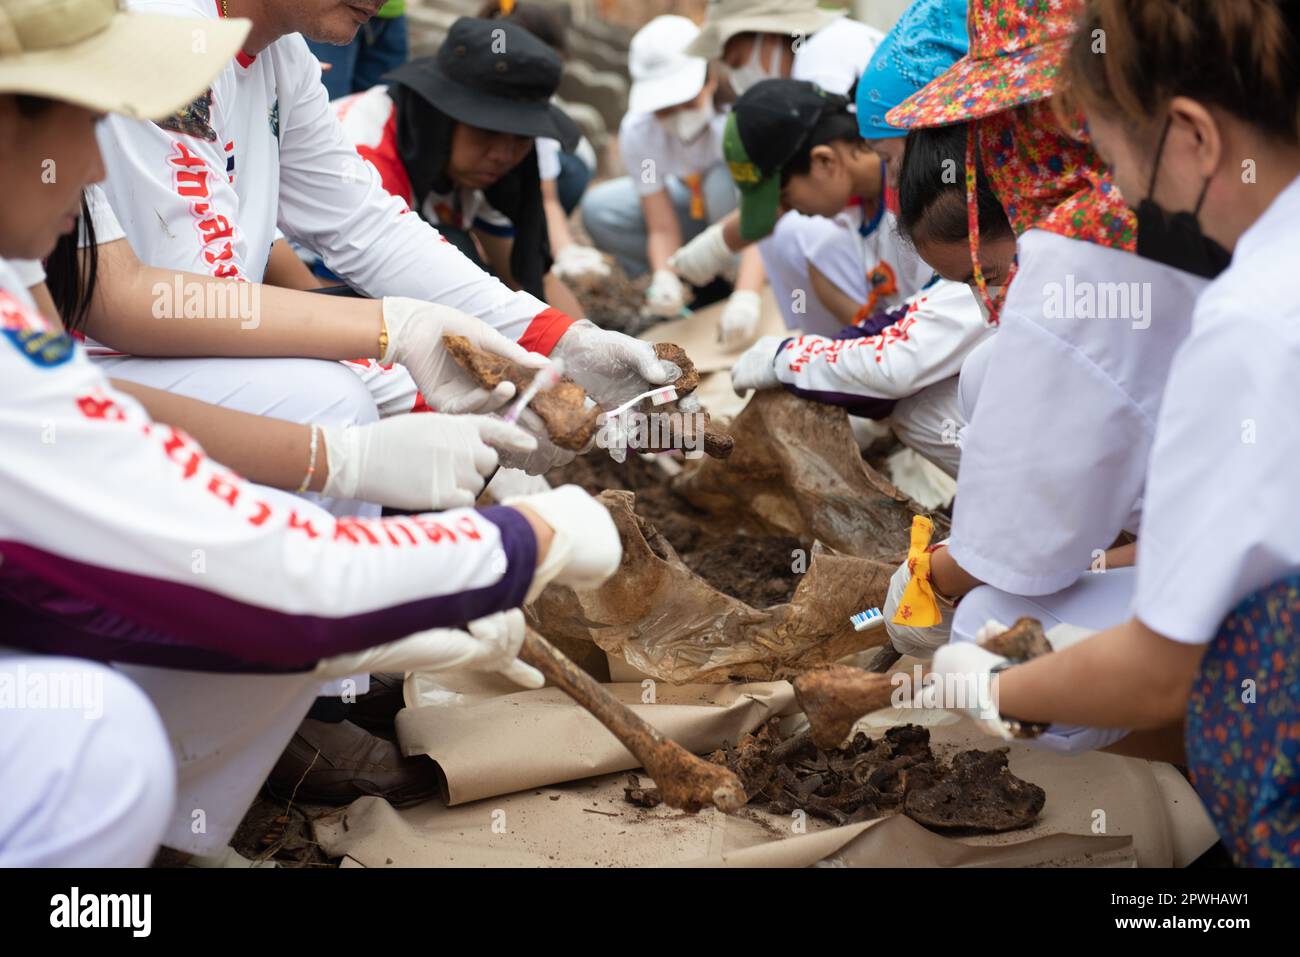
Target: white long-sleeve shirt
(1055, 454)
(1222, 517)
(204, 192)
(121, 540)
(925, 341)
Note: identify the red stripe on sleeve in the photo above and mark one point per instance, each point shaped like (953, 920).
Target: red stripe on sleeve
(545, 331)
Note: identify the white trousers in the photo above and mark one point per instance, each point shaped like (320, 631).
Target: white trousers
(226, 731)
(86, 773)
(930, 423)
(1096, 601)
(787, 254)
(297, 390)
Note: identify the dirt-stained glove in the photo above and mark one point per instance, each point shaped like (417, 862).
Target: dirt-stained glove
(546, 456)
(666, 296)
(918, 642)
(415, 331)
(576, 261)
(423, 462)
(490, 644)
(703, 258)
(740, 317)
(612, 367)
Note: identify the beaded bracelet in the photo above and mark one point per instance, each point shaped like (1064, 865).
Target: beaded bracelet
(311, 463)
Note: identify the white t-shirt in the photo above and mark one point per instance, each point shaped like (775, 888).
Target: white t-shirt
(204, 192)
(884, 253)
(1222, 515)
(836, 56)
(652, 154)
(1054, 457)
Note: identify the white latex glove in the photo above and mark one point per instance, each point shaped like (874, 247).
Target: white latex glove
(575, 261)
(425, 462)
(1061, 738)
(990, 629)
(614, 368)
(544, 457)
(739, 320)
(490, 644)
(918, 642)
(703, 258)
(415, 331)
(665, 297)
(756, 368)
(961, 680)
(585, 549)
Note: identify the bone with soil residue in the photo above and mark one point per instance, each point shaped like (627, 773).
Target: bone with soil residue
(685, 781)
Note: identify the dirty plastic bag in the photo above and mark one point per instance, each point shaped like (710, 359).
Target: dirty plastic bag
(667, 621)
(796, 470)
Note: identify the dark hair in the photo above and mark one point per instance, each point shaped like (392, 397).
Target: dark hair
(932, 189)
(72, 271)
(542, 23)
(31, 106)
(836, 125)
(1239, 55)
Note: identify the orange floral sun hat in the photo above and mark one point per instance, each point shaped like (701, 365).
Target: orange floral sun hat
(1045, 177)
(1016, 50)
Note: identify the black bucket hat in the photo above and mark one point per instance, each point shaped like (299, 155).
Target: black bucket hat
(495, 75)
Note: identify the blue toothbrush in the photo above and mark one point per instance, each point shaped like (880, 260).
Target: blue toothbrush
(866, 619)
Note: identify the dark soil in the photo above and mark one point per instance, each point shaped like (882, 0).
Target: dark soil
(614, 302)
(757, 570)
(898, 772)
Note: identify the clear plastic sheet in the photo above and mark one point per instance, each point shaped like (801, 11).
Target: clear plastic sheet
(797, 470)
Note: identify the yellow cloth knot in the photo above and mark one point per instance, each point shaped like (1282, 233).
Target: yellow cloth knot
(918, 608)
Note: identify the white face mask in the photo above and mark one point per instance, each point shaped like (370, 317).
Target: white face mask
(689, 124)
(742, 78)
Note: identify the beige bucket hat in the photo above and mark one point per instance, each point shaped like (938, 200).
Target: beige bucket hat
(95, 54)
(727, 18)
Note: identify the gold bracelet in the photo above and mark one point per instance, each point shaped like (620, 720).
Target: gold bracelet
(383, 338)
(311, 463)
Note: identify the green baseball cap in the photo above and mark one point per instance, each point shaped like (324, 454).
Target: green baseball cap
(764, 132)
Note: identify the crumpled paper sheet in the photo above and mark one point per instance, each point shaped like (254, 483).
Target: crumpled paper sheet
(490, 737)
(1102, 810)
(667, 621)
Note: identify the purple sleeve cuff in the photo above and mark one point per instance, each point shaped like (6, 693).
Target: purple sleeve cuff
(860, 405)
(162, 619)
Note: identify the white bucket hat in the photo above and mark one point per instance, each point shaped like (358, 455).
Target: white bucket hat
(727, 18)
(94, 54)
(663, 75)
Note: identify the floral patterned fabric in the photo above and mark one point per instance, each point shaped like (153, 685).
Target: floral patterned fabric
(1243, 728)
(1016, 49)
(1047, 179)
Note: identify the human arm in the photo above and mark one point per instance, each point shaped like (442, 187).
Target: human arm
(926, 343)
(284, 268)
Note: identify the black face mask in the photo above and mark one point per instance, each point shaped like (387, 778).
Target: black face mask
(1176, 240)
